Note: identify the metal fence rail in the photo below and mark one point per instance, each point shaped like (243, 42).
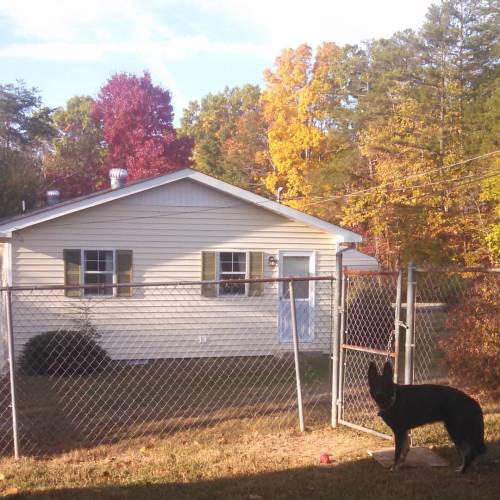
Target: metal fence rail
(101, 369)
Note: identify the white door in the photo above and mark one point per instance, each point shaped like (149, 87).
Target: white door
(296, 264)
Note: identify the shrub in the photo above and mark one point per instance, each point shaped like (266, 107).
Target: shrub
(63, 352)
(473, 350)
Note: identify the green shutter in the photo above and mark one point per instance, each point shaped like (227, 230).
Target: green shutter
(256, 272)
(123, 272)
(72, 263)
(208, 273)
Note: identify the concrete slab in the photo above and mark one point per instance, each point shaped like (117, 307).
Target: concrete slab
(417, 457)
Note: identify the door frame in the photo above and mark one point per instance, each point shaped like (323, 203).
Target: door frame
(312, 270)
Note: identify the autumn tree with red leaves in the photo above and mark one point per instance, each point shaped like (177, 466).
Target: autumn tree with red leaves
(136, 117)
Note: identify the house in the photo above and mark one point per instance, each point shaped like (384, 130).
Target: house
(184, 226)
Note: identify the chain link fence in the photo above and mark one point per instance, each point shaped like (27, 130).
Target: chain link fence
(457, 339)
(164, 358)
(96, 369)
(453, 339)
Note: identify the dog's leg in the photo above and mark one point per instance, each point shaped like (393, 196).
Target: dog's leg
(399, 438)
(462, 445)
(467, 457)
(469, 454)
(405, 448)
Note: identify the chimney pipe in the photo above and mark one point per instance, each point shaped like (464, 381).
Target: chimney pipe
(53, 197)
(118, 177)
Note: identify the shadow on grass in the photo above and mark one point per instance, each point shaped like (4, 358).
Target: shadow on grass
(363, 479)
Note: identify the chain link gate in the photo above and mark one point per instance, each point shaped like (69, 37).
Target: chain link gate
(370, 308)
(370, 331)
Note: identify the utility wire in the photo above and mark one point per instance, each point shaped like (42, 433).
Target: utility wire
(396, 179)
(238, 205)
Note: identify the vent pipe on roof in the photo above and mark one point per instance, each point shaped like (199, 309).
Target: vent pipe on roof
(118, 177)
(53, 197)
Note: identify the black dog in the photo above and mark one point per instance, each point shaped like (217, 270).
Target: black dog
(404, 407)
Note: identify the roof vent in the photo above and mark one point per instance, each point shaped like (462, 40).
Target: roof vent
(118, 177)
(53, 197)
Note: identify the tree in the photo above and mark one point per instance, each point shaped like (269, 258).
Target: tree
(306, 104)
(25, 129)
(136, 118)
(20, 181)
(74, 164)
(230, 136)
(25, 124)
(428, 107)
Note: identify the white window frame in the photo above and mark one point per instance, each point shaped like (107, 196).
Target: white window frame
(218, 271)
(83, 272)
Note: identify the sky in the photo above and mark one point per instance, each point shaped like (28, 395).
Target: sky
(191, 47)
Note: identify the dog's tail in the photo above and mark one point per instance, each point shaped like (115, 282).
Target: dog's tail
(479, 441)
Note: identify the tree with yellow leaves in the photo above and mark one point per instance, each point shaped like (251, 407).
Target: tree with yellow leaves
(303, 105)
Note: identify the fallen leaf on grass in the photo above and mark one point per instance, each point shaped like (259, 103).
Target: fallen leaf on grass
(2, 477)
(11, 491)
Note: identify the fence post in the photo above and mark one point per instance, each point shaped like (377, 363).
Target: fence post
(343, 319)
(10, 348)
(293, 314)
(397, 325)
(410, 323)
(336, 338)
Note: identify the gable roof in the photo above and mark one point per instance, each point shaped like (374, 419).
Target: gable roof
(101, 197)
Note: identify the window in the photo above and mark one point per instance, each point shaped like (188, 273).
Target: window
(217, 266)
(98, 268)
(232, 266)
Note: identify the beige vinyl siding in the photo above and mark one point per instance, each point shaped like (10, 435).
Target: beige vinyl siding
(167, 228)
(2, 272)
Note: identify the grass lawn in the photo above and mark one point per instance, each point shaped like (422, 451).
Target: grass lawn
(230, 460)
(57, 414)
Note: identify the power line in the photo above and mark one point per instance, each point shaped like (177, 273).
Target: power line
(238, 205)
(490, 175)
(396, 179)
(314, 202)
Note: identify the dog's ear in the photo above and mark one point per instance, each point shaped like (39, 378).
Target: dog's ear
(372, 372)
(388, 373)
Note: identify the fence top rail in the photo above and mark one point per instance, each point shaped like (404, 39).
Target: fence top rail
(355, 272)
(486, 270)
(166, 283)
(431, 269)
